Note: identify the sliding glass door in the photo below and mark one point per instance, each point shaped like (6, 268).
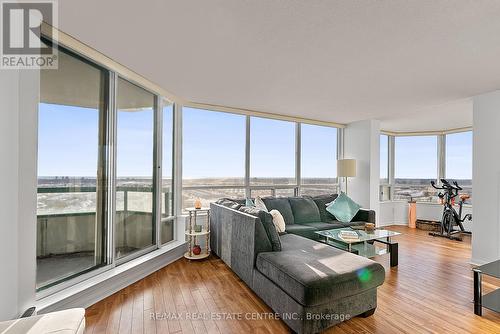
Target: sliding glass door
(72, 153)
(105, 171)
(166, 184)
(134, 220)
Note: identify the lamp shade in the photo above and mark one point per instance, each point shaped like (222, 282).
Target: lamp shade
(346, 167)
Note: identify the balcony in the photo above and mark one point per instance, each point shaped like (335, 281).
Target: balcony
(71, 238)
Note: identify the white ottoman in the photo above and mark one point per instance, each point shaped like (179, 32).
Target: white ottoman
(70, 321)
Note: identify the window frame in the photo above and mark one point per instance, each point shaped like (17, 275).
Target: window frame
(334, 187)
(390, 169)
(445, 161)
(103, 151)
(274, 189)
(162, 103)
(440, 164)
(109, 159)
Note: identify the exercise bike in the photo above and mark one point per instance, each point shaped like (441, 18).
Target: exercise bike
(451, 217)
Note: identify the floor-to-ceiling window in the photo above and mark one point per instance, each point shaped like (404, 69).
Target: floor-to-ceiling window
(134, 221)
(71, 175)
(318, 159)
(459, 160)
(384, 168)
(272, 157)
(213, 156)
(98, 154)
(167, 181)
(216, 164)
(416, 165)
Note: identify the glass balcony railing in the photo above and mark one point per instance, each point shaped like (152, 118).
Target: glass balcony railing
(70, 237)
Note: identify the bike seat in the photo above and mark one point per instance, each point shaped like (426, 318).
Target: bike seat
(464, 197)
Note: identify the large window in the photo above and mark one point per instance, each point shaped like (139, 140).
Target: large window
(167, 185)
(272, 152)
(415, 167)
(384, 159)
(318, 159)
(71, 201)
(215, 164)
(385, 190)
(85, 150)
(459, 160)
(213, 156)
(134, 222)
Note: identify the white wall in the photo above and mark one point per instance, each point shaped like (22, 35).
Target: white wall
(486, 178)
(362, 142)
(18, 131)
(393, 213)
(396, 213)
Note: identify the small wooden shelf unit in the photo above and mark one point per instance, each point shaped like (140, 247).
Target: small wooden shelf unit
(193, 236)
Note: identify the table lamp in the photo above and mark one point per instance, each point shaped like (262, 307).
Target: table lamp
(346, 168)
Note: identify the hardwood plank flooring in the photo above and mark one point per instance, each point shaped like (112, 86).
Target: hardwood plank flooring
(429, 292)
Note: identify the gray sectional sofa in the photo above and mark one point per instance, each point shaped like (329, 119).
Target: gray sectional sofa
(310, 285)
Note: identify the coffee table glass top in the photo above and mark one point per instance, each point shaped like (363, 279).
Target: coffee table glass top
(490, 269)
(363, 235)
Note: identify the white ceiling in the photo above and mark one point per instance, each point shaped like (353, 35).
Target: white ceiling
(412, 64)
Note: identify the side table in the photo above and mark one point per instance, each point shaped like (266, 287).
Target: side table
(193, 236)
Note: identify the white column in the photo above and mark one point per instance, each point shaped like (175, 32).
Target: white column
(362, 142)
(19, 92)
(486, 178)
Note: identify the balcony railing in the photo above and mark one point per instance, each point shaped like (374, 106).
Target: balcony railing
(68, 228)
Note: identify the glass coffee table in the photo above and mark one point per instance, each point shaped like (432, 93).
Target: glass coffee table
(365, 245)
(490, 300)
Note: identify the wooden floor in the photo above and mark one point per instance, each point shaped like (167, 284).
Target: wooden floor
(429, 292)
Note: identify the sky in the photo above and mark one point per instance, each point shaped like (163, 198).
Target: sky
(416, 157)
(214, 146)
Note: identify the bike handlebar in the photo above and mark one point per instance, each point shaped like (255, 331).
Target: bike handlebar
(447, 185)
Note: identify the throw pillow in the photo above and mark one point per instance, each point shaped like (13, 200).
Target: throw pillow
(267, 222)
(343, 208)
(304, 210)
(322, 201)
(282, 205)
(228, 203)
(249, 202)
(259, 204)
(278, 221)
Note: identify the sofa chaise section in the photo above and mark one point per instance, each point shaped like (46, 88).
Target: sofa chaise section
(304, 282)
(314, 273)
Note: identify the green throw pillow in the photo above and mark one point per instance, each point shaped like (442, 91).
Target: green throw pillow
(343, 208)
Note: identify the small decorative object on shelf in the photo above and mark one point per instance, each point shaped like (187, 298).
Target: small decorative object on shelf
(196, 250)
(197, 204)
(196, 233)
(369, 226)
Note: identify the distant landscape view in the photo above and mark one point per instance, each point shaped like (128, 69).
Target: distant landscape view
(63, 194)
(59, 195)
(422, 191)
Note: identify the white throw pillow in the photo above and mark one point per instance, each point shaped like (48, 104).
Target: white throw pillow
(278, 221)
(259, 204)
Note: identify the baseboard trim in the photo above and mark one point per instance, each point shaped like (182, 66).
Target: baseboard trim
(104, 285)
(400, 223)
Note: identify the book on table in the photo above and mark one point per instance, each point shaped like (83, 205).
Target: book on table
(349, 235)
